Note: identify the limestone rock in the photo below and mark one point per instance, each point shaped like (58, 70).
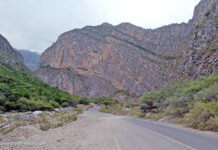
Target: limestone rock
(100, 60)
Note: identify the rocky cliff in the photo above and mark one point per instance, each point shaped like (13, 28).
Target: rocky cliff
(99, 60)
(8, 56)
(201, 56)
(7, 48)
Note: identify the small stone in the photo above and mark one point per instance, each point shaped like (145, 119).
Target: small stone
(56, 109)
(37, 112)
(4, 124)
(7, 127)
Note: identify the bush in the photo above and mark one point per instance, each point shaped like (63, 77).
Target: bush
(84, 101)
(115, 109)
(193, 101)
(182, 94)
(104, 100)
(212, 124)
(203, 114)
(151, 101)
(207, 94)
(65, 104)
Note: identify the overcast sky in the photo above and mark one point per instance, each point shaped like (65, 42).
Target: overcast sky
(35, 24)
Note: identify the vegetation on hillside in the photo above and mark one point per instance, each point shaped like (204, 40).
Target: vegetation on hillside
(23, 92)
(195, 102)
(12, 61)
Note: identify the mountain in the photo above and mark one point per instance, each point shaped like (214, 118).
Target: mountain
(9, 57)
(100, 60)
(21, 90)
(31, 59)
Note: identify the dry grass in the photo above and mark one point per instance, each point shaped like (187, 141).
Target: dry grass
(116, 109)
(57, 120)
(89, 106)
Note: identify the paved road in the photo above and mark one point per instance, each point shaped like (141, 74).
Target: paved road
(127, 133)
(99, 131)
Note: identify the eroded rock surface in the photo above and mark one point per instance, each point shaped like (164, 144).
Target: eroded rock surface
(99, 60)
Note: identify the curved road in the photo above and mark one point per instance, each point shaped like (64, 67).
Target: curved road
(99, 131)
(128, 133)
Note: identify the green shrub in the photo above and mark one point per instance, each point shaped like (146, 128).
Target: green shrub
(182, 94)
(1, 118)
(203, 114)
(84, 101)
(212, 124)
(115, 109)
(104, 100)
(192, 101)
(45, 125)
(150, 101)
(65, 104)
(207, 94)
(193, 87)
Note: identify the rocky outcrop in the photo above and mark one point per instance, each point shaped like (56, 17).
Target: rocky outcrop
(70, 80)
(201, 11)
(201, 57)
(8, 56)
(99, 60)
(7, 48)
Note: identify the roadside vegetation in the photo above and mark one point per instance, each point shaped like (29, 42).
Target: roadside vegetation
(192, 102)
(121, 109)
(98, 101)
(58, 119)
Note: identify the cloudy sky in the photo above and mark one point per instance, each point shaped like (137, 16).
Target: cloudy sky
(35, 24)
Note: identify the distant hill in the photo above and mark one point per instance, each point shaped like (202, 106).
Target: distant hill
(31, 59)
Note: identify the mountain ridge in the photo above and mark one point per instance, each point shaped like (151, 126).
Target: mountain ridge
(122, 57)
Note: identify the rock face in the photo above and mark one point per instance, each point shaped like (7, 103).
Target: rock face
(201, 57)
(31, 59)
(7, 48)
(8, 56)
(99, 60)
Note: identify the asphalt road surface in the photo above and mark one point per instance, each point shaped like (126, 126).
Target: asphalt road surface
(128, 133)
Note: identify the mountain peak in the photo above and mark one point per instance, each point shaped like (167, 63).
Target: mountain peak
(106, 24)
(201, 10)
